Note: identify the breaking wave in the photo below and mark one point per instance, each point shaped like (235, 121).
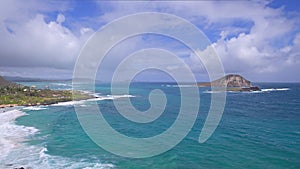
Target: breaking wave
(99, 97)
(261, 91)
(275, 89)
(15, 153)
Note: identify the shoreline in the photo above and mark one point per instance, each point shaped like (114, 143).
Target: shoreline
(6, 106)
(17, 153)
(76, 96)
(91, 98)
(3, 106)
(7, 109)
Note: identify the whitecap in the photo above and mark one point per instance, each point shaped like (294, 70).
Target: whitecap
(96, 94)
(211, 91)
(261, 91)
(15, 153)
(61, 84)
(119, 96)
(110, 97)
(99, 98)
(185, 86)
(35, 108)
(11, 135)
(69, 103)
(36, 156)
(275, 89)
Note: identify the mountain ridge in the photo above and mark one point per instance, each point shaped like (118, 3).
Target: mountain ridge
(6, 83)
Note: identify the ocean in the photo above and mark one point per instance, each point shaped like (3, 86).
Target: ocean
(257, 130)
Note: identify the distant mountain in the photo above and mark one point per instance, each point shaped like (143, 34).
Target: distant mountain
(28, 79)
(5, 83)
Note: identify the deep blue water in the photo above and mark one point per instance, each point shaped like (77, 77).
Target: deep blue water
(257, 130)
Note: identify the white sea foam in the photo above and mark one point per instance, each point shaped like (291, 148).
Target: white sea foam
(11, 135)
(15, 153)
(181, 85)
(35, 108)
(44, 160)
(110, 97)
(70, 103)
(186, 85)
(269, 90)
(97, 95)
(82, 102)
(256, 92)
(275, 89)
(29, 156)
(261, 91)
(210, 91)
(61, 84)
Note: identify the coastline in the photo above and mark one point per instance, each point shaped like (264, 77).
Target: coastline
(14, 149)
(92, 97)
(2, 106)
(75, 96)
(9, 108)
(6, 106)
(34, 140)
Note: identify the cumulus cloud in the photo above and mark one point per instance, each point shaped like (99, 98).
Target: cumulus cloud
(38, 43)
(262, 49)
(60, 18)
(251, 37)
(259, 47)
(29, 40)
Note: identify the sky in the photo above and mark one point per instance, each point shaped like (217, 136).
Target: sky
(257, 39)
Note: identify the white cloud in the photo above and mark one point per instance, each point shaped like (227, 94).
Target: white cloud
(28, 40)
(253, 37)
(293, 52)
(257, 50)
(60, 18)
(37, 43)
(249, 36)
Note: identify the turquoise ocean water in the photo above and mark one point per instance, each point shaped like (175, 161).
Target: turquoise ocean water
(257, 130)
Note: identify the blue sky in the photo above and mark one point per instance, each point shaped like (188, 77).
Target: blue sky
(257, 39)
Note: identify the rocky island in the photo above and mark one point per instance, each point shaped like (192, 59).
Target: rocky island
(13, 94)
(232, 82)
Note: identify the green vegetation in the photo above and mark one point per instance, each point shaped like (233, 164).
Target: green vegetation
(29, 96)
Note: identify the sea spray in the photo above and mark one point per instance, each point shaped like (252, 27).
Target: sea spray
(12, 135)
(16, 153)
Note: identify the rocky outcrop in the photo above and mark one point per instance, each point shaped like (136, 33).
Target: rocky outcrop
(232, 82)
